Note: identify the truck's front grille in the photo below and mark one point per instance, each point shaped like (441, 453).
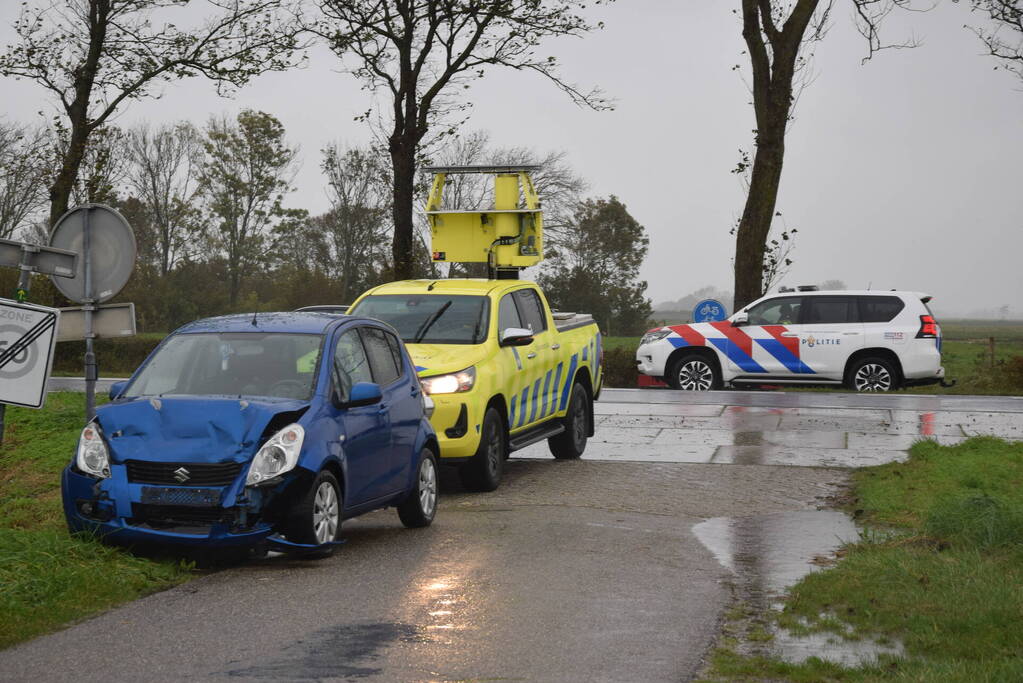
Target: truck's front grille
(182, 473)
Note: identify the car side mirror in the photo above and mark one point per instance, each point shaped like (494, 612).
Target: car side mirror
(516, 336)
(116, 388)
(364, 394)
(740, 319)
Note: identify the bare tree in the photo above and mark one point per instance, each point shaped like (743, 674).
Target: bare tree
(95, 55)
(416, 51)
(164, 178)
(1004, 38)
(352, 237)
(779, 35)
(247, 169)
(22, 176)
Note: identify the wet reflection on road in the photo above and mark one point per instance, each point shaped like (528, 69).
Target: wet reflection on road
(767, 554)
(773, 428)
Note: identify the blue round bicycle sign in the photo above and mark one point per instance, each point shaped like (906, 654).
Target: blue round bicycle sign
(709, 311)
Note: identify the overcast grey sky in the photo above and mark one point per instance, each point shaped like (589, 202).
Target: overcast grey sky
(900, 173)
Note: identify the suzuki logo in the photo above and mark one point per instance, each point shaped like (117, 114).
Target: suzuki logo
(182, 475)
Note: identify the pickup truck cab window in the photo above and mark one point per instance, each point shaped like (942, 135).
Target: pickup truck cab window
(531, 310)
(507, 314)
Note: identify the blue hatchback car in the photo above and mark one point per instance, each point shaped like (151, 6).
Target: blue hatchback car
(249, 428)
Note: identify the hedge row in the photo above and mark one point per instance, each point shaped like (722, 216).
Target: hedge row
(120, 357)
(620, 368)
(115, 357)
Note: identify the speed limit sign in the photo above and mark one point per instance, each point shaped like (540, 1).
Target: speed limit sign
(27, 336)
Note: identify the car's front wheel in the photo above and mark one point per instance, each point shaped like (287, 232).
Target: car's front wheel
(693, 372)
(484, 470)
(419, 509)
(872, 374)
(316, 517)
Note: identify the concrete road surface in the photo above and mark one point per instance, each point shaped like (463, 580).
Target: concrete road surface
(572, 571)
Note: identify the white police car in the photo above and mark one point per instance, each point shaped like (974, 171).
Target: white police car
(866, 340)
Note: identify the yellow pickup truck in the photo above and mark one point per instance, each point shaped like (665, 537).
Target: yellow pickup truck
(503, 371)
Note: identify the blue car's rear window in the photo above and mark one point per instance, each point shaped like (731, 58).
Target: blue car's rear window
(260, 364)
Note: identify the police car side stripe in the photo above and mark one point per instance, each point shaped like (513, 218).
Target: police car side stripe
(736, 355)
(787, 358)
(511, 414)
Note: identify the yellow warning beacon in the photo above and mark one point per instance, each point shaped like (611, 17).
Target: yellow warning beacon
(508, 237)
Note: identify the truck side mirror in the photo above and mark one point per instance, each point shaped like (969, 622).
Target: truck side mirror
(740, 319)
(516, 336)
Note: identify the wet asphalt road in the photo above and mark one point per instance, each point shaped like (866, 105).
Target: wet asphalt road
(572, 571)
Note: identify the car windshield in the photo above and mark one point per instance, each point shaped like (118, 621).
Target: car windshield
(263, 364)
(430, 318)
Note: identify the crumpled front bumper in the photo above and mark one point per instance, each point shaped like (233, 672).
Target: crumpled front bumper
(113, 509)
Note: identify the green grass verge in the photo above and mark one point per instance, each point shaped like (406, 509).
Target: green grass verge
(939, 570)
(48, 578)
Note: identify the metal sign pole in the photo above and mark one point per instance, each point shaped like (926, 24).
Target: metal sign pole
(89, 307)
(24, 284)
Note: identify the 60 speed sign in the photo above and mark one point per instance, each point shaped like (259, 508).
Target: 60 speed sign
(27, 336)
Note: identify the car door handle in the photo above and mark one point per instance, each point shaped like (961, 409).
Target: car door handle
(531, 355)
(789, 334)
(555, 347)
(851, 333)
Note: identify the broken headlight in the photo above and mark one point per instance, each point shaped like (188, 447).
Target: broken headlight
(93, 458)
(277, 456)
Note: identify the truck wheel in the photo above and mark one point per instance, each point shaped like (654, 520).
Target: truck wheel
(483, 472)
(571, 443)
(872, 374)
(693, 373)
(316, 517)
(419, 508)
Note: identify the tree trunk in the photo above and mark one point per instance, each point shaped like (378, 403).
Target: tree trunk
(403, 163)
(758, 214)
(60, 191)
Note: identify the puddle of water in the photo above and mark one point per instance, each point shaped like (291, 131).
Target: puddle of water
(770, 553)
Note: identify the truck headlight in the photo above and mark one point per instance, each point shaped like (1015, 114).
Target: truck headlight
(656, 335)
(277, 456)
(455, 383)
(93, 458)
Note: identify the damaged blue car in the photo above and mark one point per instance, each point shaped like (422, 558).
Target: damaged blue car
(250, 429)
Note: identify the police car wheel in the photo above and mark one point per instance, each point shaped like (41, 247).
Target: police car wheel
(872, 374)
(571, 443)
(483, 471)
(693, 373)
(316, 517)
(419, 509)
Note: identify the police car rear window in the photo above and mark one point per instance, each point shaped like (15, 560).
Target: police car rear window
(880, 309)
